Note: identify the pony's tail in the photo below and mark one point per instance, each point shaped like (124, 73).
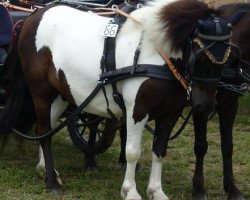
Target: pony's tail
(18, 110)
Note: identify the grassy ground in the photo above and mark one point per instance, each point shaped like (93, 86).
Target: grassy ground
(19, 180)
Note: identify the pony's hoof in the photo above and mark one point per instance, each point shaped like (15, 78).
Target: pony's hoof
(59, 180)
(55, 191)
(131, 194)
(200, 196)
(234, 194)
(156, 194)
(40, 170)
(235, 197)
(90, 167)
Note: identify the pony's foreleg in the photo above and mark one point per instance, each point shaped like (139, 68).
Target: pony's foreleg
(163, 128)
(200, 149)
(154, 190)
(227, 115)
(133, 153)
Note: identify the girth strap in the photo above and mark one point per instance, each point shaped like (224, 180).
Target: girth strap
(143, 70)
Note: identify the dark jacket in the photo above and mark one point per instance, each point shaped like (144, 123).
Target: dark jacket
(6, 25)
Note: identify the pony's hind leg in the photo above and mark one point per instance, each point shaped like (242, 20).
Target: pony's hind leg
(200, 150)
(57, 108)
(123, 138)
(40, 167)
(50, 174)
(46, 117)
(90, 164)
(133, 153)
(227, 112)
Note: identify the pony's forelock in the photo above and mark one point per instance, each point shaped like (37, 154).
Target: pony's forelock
(179, 19)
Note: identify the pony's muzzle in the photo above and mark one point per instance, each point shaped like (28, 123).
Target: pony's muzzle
(203, 99)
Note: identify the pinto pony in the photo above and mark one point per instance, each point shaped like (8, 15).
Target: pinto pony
(61, 56)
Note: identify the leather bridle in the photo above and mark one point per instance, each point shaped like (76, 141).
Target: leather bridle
(199, 39)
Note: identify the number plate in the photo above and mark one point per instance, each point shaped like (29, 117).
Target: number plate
(109, 30)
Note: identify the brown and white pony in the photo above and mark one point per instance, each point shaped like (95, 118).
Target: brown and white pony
(60, 50)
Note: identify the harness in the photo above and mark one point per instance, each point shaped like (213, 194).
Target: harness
(236, 80)
(208, 44)
(108, 63)
(110, 75)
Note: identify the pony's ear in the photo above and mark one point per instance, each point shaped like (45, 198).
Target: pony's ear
(235, 18)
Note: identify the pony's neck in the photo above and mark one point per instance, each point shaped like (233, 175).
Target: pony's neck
(153, 26)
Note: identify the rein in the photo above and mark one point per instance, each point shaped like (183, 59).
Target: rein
(10, 6)
(244, 75)
(68, 119)
(173, 69)
(115, 9)
(241, 76)
(186, 121)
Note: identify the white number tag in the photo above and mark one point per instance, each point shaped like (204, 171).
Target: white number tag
(109, 30)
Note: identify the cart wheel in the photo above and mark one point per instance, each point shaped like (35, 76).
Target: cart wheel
(79, 129)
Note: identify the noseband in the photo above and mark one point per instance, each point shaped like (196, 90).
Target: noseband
(215, 44)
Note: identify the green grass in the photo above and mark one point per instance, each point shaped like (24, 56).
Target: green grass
(245, 103)
(19, 180)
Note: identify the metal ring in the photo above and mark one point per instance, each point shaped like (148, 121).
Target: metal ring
(127, 2)
(114, 7)
(139, 5)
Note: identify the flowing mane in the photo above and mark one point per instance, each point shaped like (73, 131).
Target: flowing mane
(180, 19)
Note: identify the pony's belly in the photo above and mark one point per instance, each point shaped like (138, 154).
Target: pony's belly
(98, 104)
(127, 88)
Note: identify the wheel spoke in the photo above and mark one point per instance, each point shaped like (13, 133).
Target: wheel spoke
(82, 131)
(99, 135)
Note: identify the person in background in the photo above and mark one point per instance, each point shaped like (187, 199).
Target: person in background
(6, 25)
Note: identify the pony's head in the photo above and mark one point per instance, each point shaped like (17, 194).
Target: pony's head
(204, 39)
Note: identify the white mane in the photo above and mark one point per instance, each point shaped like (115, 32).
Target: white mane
(153, 27)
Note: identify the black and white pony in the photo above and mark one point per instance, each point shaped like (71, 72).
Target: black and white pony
(60, 58)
